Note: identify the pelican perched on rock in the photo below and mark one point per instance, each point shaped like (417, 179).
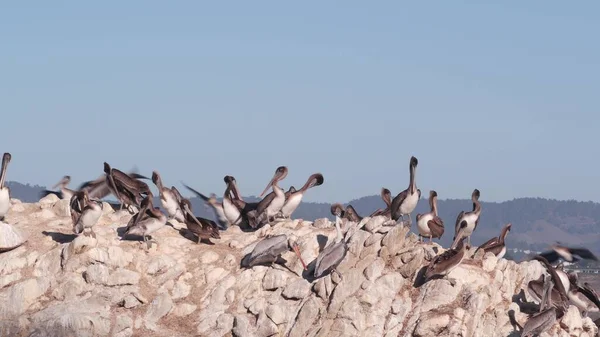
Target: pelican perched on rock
(63, 192)
(168, 199)
(545, 317)
(147, 221)
(332, 255)
(268, 250)
(293, 200)
(584, 297)
(231, 212)
(91, 213)
(351, 214)
(558, 294)
(568, 254)
(4, 190)
(267, 209)
(406, 201)
(444, 263)
(430, 224)
(204, 229)
(497, 245)
(216, 206)
(470, 218)
(386, 196)
(129, 191)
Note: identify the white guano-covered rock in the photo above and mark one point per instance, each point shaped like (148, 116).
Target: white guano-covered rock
(59, 284)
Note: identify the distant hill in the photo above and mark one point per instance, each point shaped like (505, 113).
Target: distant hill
(537, 222)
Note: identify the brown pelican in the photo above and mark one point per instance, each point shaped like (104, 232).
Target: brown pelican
(168, 199)
(267, 209)
(147, 221)
(129, 191)
(430, 224)
(89, 216)
(568, 254)
(497, 245)
(332, 255)
(4, 190)
(386, 195)
(64, 192)
(338, 210)
(470, 218)
(444, 263)
(268, 250)
(545, 317)
(406, 201)
(351, 214)
(77, 203)
(558, 295)
(216, 206)
(203, 228)
(294, 199)
(289, 192)
(589, 302)
(99, 188)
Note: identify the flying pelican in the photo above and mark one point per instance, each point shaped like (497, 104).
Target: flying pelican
(430, 224)
(4, 190)
(64, 192)
(406, 201)
(470, 218)
(268, 250)
(333, 254)
(568, 254)
(294, 198)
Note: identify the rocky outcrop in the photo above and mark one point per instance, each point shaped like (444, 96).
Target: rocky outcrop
(57, 284)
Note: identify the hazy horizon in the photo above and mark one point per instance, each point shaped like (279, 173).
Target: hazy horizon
(499, 97)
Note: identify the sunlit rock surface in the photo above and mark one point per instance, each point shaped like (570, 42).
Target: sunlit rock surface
(57, 284)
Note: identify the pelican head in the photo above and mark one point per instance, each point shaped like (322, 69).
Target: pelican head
(279, 175)
(106, 168)
(337, 210)
(315, 180)
(413, 161)
(475, 195)
(63, 182)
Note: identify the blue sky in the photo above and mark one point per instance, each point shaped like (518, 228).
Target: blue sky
(502, 97)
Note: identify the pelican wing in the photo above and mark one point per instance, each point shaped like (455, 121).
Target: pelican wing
(268, 249)
(198, 194)
(330, 258)
(396, 202)
(436, 226)
(550, 255)
(458, 218)
(590, 293)
(584, 253)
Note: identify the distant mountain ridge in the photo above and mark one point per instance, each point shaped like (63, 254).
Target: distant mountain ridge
(537, 222)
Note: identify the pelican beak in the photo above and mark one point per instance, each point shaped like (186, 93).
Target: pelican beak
(297, 251)
(459, 236)
(269, 185)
